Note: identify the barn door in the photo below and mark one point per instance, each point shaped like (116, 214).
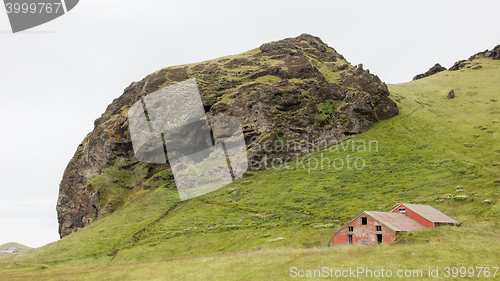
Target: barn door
(349, 239)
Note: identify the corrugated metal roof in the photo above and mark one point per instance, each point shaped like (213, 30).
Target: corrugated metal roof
(395, 221)
(431, 213)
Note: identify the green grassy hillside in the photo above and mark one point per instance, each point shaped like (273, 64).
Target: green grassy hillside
(438, 151)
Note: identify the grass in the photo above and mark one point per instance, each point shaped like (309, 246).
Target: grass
(435, 152)
(451, 247)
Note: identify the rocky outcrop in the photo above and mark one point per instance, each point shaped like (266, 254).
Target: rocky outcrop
(297, 89)
(457, 65)
(493, 54)
(433, 70)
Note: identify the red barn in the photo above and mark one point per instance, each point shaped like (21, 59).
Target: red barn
(371, 227)
(374, 227)
(425, 215)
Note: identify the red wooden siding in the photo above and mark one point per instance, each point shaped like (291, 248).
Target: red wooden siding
(414, 216)
(363, 233)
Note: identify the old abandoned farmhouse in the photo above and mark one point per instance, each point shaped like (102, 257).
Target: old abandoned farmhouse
(371, 227)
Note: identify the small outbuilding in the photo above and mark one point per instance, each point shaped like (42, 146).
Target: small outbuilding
(370, 227)
(425, 215)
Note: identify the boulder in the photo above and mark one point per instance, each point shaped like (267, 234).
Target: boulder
(451, 95)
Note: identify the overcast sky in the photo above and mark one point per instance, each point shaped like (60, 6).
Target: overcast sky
(57, 78)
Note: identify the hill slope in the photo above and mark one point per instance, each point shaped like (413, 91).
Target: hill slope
(438, 151)
(293, 90)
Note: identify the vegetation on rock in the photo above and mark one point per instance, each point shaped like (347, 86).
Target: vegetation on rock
(294, 90)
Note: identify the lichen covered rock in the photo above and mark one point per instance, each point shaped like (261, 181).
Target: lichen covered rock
(296, 89)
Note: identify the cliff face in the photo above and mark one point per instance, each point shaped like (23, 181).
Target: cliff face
(295, 89)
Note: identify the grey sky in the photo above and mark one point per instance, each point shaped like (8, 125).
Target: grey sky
(56, 79)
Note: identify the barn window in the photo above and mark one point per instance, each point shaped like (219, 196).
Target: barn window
(378, 228)
(364, 221)
(402, 210)
(350, 228)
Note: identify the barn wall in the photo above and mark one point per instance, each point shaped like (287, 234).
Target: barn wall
(363, 233)
(339, 239)
(414, 216)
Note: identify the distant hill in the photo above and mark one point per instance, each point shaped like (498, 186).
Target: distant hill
(22, 248)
